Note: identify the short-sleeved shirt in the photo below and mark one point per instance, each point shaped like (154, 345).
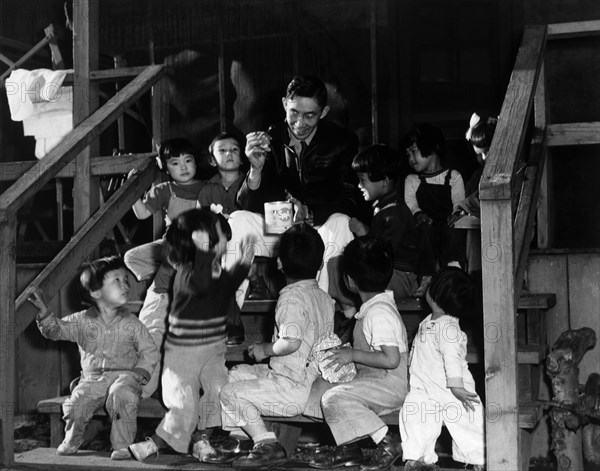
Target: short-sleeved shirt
(215, 193)
(304, 311)
(158, 196)
(382, 324)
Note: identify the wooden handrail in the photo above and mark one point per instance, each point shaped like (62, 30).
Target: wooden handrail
(575, 29)
(105, 165)
(61, 269)
(507, 145)
(77, 140)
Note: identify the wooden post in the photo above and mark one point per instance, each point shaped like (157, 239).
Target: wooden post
(160, 129)
(8, 276)
(373, 38)
(221, 71)
(562, 365)
(544, 212)
(85, 102)
(499, 321)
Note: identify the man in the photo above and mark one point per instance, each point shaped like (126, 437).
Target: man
(307, 160)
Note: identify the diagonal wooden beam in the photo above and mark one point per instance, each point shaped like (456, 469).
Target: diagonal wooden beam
(78, 139)
(58, 272)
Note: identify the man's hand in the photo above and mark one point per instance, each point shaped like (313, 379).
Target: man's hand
(257, 146)
(357, 227)
(35, 297)
(467, 398)
(258, 351)
(340, 357)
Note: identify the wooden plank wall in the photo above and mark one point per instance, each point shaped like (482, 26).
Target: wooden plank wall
(575, 279)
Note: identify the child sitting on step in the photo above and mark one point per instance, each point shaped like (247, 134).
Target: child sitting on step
(195, 346)
(377, 168)
(380, 352)
(117, 356)
(442, 389)
(432, 194)
(281, 388)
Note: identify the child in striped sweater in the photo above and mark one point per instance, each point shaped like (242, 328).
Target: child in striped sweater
(195, 345)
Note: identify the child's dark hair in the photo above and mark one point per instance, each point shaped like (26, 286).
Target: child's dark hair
(307, 86)
(368, 261)
(227, 135)
(378, 161)
(428, 138)
(175, 148)
(453, 290)
(481, 131)
(92, 275)
(180, 246)
(301, 252)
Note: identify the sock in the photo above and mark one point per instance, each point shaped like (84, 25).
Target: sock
(266, 437)
(380, 434)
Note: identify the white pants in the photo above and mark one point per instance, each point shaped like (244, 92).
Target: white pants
(421, 421)
(335, 233)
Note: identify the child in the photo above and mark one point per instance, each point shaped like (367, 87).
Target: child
(221, 190)
(195, 342)
(377, 168)
(304, 312)
(480, 133)
(117, 356)
(432, 194)
(177, 158)
(380, 352)
(442, 390)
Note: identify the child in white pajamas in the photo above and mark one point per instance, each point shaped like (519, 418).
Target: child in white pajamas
(442, 390)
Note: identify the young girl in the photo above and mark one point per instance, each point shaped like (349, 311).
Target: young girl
(195, 342)
(177, 159)
(220, 192)
(441, 388)
(377, 168)
(432, 194)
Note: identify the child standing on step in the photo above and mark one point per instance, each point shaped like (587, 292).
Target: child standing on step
(380, 352)
(442, 389)
(117, 356)
(377, 168)
(281, 388)
(432, 194)
(195, 343)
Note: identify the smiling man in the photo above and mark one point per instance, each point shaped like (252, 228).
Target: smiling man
(305, 159)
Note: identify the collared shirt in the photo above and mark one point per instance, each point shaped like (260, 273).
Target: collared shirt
(382, 324)
(297, 143)
(215, 193)
(122, 345)
(303, 312)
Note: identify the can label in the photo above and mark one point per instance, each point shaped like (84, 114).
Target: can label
(278, 216)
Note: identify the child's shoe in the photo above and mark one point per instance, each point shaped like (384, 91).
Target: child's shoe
(387, 453)
(263, 455)
(65, 450)
(412, 465)
(422, 289)
(143, 450)
(478, 467)
(202, 449)
(122, 454)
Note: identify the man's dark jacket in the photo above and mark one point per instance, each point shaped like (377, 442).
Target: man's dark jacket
(325, 182)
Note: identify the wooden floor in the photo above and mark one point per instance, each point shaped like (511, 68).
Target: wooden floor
(46, 459)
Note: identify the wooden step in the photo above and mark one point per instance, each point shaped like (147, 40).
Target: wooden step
(526, 355)
(526, 301)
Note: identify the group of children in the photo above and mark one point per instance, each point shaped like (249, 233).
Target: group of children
(192, 294)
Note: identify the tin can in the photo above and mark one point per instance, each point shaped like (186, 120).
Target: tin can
(278, 216)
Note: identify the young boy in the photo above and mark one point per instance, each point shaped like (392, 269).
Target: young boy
(117, 356)
(304, 312)
(379, 352)
(377, 168)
